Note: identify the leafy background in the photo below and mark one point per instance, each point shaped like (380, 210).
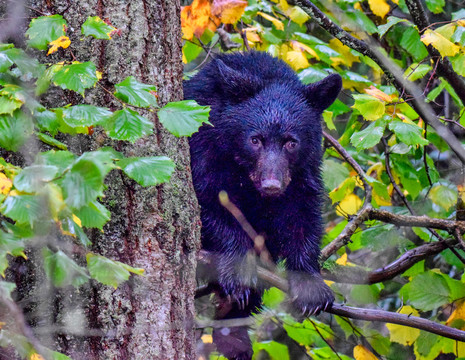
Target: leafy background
(392, 172)
(386, 160)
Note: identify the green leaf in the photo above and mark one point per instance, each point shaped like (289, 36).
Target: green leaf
(69, 225)
(8, 105)
(365, 294)
(334, 173)
(97, 28)
(391, 21)
(14, 130)
(62, 270)
(148, 171)
(429, 297)
(51, 141)
(443, 195)
(191, 51)
(47, 121)
(103, 158)
(368, 137)
(76, 77)
(183, 118)
(328, 119)
(369, 107)
(25, 64)
(60, 159)
(85, 115)
(106, 271)
(409, 134)
(458, 62)
(135, 93)
(417, 71)
(128, 125)
(311, 75)
(33, 178)
(272, 297)
(6, 288)
(95, 215)
(5, 62)
(82, 183)
(275, 350)
(24, 209)
(45, 29)
(435, 6)
(410, 41)
(43, 82)
(362, 21)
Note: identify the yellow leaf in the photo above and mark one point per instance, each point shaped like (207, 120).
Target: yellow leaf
(328, 282)
(207, 339)
(349, 205)
(461, 22)
(362, 353)
(278, 24)
(379, 94)
(61, 42)
(55, 199)
(457, 314)
(342, 260)
(297, 15)
(297, 60)
(444, 46)
(298, 46)
(77, 221)
(228, 11)
(283, 5)
(35, 356)
(346, 56)
(402, 334)
(252, 36)
(5, 184)
(379, 7)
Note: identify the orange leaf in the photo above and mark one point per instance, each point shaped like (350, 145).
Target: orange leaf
(229, 11)
(378, 94)
(61, 42)
(195, 18)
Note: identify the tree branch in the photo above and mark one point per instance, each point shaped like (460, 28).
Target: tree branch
(344, 237)
(357, 275)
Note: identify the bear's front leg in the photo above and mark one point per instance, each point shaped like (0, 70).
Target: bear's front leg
(307, 289)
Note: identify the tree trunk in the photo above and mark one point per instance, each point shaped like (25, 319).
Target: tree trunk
(156, 228)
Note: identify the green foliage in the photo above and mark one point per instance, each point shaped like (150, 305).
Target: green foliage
(45, 29)
(97, 28)
(182, 118)
(372, 119)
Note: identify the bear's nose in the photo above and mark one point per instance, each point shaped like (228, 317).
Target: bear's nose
(271, 186)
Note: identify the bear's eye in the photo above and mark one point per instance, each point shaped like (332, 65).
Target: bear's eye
(255, 141)
(290, 145)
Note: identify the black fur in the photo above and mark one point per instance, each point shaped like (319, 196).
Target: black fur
(265, 151)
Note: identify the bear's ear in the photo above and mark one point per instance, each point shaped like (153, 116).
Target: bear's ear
(237, 85)
(323, 93)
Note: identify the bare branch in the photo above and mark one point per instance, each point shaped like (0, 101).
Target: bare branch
(421, 221)
(356, 221)
(357, 275)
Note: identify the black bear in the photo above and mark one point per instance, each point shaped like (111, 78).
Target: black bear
(264, 149)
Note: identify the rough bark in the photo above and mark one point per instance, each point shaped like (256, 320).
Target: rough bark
(156, 228)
